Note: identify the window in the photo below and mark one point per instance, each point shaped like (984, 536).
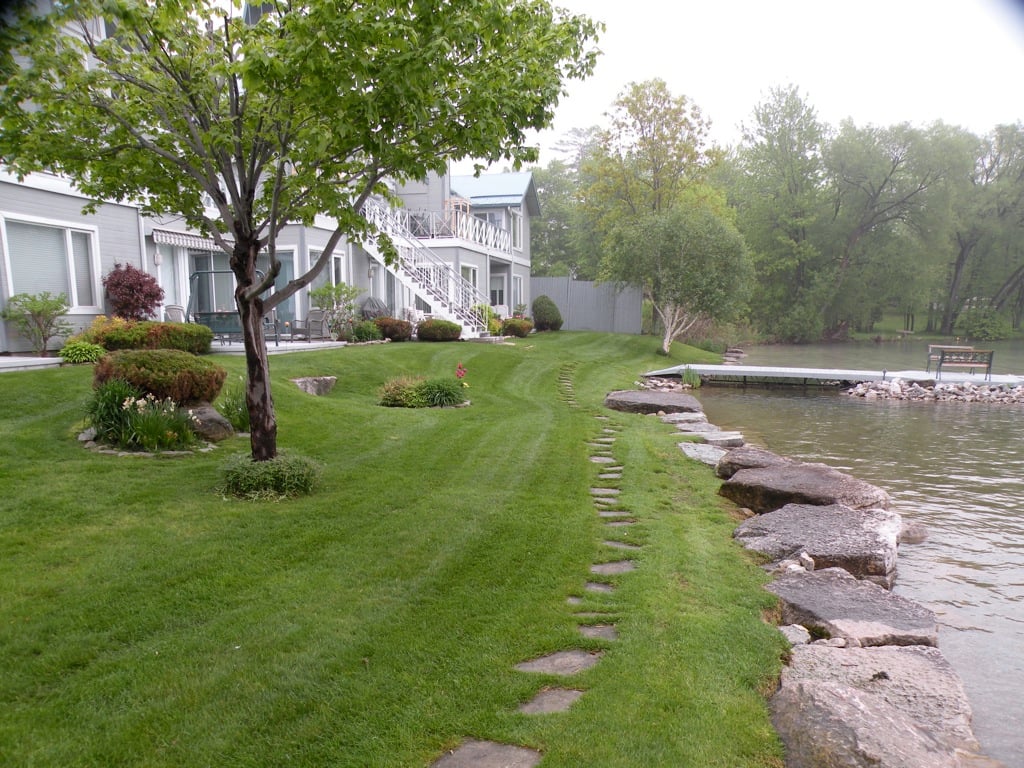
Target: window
(517, 229)
(517, 292)
(497, 290)
(469, 274)
(55, 258)
(494, 218)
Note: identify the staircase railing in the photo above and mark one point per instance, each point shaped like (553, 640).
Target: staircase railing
(435, 278)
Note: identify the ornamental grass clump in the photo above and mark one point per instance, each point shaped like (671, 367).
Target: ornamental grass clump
(232, 406)
(283, 477)
(76, 351)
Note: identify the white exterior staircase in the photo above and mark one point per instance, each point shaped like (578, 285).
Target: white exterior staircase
(426, 274)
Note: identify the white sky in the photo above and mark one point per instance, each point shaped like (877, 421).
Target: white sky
(878, 61)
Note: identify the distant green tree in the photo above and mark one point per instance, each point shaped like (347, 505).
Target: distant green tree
(690, 260)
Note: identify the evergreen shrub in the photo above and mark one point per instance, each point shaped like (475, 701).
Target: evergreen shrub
(115, 333)
(403, 392)
(436, 329)
(546, 316)
(366, 330)
(164, 373)
(519, 327)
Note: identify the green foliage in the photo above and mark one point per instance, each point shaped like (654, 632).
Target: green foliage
(365, 330)
(436, 329)
(283, 477)
(442, 393)
(394, 329)
(339, 303)
(984, 324)
(403, 392)
(107, 413)
(546, 316)
(691, 378)
(164, 373)
(133, 294)
(519, 327)
(78, 351)
(208, 103)
(232, 406)
(116, 333)
(38, 317)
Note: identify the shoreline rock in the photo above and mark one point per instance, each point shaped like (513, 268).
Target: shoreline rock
(874, 691)
(939, 392)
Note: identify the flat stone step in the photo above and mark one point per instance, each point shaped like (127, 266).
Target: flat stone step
(551, 700)
(489, 754)
(623, 545)
(613, 568)
(597, 586)
(562, 662)
(599, 631)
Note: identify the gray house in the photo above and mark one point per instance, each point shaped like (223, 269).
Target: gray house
(463, 242)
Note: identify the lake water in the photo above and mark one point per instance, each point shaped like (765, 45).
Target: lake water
(956, 468)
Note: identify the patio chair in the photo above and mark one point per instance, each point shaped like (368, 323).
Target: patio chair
(174, 313)
(313, 327)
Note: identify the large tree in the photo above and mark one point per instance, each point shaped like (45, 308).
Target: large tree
(690, 260)
(302, 108)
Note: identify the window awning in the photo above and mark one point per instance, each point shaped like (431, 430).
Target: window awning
(184, 240)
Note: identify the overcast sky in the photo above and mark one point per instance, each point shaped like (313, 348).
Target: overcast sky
(878, 61)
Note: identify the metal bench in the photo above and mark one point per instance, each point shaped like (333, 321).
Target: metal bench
(965, 358)
(935, 351)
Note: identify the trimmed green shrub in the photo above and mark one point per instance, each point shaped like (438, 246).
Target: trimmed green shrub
(436, 329)
(546, 316)
(519, 327)
(403, 392)
(164, 373)
(133, 294)
(117, 333)
(78, 351)
(366, 330)
(282, 477)
(394, 329)
(442, 393)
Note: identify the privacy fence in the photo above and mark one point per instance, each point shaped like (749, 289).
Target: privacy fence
(587, 306)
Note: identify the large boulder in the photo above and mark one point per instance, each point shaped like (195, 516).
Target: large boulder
(748, 457)
(831, 603)
(647, 401)
(764, 489)
(209, 424)
(878, 707)
(860, 541)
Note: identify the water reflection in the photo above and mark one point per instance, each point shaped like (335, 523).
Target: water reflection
(956, 468)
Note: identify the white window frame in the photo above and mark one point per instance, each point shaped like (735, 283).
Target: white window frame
(474, 274)
(517, 228)
(68, 227)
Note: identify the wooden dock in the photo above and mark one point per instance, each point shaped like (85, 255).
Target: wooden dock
(761, 375)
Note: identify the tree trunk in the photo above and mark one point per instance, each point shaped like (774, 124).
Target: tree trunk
(258, 400)
(262, 419)
(952, 309)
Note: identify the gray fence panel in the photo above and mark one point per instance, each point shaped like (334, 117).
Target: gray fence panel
(587, 306)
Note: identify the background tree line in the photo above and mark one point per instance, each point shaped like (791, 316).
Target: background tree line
(806, 230)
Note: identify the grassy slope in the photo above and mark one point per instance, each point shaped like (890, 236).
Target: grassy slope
(146, 621)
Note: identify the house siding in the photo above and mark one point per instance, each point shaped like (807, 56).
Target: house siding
(117, 241)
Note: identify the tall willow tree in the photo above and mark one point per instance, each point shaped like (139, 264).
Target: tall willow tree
(304, 110)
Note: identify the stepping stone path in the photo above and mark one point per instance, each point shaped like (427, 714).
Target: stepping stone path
(487, 754)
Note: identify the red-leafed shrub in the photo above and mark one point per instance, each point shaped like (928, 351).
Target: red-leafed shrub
(394, 329)
(133, 294)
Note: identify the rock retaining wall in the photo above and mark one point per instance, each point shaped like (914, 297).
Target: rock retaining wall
(866, 684)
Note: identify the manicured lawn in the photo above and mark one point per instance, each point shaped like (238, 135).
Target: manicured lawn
(146, 621)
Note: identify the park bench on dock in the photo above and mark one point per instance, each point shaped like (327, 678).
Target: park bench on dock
(969, 358)
(935, 352)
